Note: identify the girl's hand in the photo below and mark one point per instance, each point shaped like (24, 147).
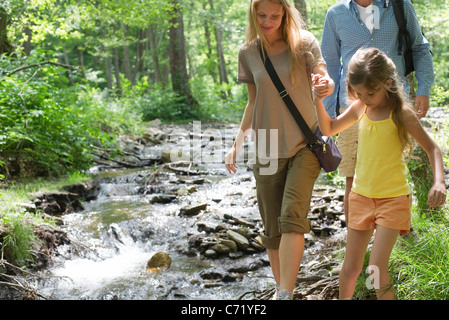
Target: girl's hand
(321, 86)
(437, 195)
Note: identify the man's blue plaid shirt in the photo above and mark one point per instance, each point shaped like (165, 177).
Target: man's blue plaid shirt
(344, 33)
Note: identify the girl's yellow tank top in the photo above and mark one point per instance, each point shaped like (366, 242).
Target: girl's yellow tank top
(380, 169)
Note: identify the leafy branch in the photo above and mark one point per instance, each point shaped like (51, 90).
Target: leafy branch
(40, 64)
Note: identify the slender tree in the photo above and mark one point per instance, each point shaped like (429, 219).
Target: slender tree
(302, 7)
(5, 47)
(177, 52)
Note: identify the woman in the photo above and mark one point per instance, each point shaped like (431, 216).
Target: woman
(286, 174)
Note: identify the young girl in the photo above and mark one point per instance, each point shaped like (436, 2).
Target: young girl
(380, 196)
(285, 177)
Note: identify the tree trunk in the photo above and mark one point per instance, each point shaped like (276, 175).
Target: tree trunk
(139, 54)
(67, 62)
(177, 53)
(5, 47)
(302, 7)
(27, 43)
(211, 61)
(108, 70)
(117, 71)
(81, 61)
(126, 56)
(219, 45)
(157, 77)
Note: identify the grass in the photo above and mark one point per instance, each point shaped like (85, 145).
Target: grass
(420, 260)
(17, 245)
(419, 267)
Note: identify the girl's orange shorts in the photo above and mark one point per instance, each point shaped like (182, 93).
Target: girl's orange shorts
(393, 213)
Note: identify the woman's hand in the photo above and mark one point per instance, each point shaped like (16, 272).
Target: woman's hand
(321, 86)
(230, 159)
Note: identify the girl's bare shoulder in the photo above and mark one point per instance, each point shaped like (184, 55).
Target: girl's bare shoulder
(408, 114)
(357, 108)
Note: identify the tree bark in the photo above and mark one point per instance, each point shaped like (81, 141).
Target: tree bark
(177, 53)
(117, 71)
(302, 7)
(140, 49)
(211, 61)
(219, 45)
(66, 61)
(157, 76)
(81, 61)
(27, 43)
(108, 70)
(126, 56)
(5, 47)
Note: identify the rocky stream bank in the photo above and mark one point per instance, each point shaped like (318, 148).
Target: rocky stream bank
(199, 213)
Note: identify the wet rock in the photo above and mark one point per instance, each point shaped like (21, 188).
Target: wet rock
(246, 264)
(160, 261)
(241, 241)
(231, 245)
(217, 273)
(199, 181)
(163, 198)
(247, 233)
(88, 190)
(209, 227)
(209, 253)
(236, 255)
(137, 230)
(221, 248)
(154, 134)
(192, 210)
(238, 221)
(166, 156)
(257, 246)
(185, 191)
(57, 203)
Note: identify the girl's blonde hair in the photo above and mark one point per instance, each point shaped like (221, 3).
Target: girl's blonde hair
(292, 24)
(372, 68)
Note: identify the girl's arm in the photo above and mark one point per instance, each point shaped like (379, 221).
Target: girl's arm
(329, 126)
(437, 194)
(245, 127)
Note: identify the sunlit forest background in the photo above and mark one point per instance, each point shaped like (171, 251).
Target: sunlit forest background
(78, 73)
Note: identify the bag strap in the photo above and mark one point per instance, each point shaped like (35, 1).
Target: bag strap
(313, 141)
(398, 7)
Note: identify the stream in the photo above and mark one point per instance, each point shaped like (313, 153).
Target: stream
(139, 212)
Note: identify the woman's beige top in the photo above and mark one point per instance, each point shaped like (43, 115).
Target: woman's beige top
(271, 115)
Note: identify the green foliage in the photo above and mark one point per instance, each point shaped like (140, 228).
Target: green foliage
(421, 177)
(47, 123)
(419, 260)
(432, 16)
(18, 244)
(159, 103)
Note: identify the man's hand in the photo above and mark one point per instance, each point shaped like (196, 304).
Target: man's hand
(421, 106)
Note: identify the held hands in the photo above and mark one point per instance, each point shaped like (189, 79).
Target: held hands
(321, 86)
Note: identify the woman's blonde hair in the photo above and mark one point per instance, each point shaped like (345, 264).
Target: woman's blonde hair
(373, 69)
(291, 26)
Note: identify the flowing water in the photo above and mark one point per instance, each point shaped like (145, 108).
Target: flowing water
(118, 233)
(122, 229)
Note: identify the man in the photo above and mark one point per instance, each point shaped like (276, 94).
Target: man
(354, 24)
